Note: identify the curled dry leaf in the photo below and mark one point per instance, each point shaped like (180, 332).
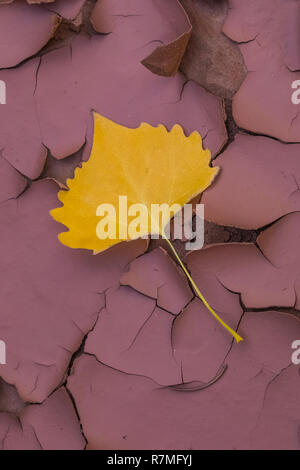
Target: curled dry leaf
(211, 58)
(165, 60)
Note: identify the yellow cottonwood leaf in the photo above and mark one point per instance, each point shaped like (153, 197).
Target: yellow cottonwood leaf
(148, 165)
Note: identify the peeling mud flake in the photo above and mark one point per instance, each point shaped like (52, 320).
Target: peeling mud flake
(20, 138)
(12, 183)
(157, 276)
(257, 184)
(65, 8)
(24, 30)
(52, 425)
(249, 273)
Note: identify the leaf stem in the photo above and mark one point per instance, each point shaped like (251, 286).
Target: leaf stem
(236, 336)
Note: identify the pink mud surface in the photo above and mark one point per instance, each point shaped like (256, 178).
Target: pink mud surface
(115, 351)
